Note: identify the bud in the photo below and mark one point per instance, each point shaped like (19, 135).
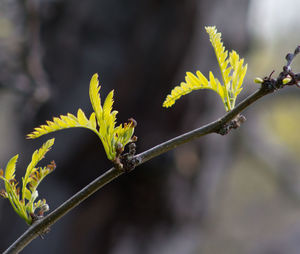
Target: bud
(258, 80)
(51, 166)
(289, 57)
(44, 208)
(3, 194)
(132, 122)
(119, 148)
(286, 80)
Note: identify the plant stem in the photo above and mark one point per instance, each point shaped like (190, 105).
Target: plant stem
(204, 130)
(42, 225)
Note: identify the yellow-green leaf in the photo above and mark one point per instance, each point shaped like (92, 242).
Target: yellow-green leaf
(40, 153)
(37, 156)
(102, 121)
(107, 106)
(92, 120)
(221, 53)
(203, 80)
(11, 168)
(232, 70)
(94, 96)
(27, 194)
(82, 118)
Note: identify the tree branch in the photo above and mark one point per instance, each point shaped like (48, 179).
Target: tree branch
(213, 127)
(222, 126)
(41, 226)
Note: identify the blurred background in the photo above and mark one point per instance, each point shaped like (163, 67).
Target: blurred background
(238, 193)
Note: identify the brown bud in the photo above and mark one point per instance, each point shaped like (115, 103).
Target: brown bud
(3, 193)
(13, 181)
(134, 138)
(34, 177)
(132, 122)
(119, 148)
(44, 208)
(51, 166)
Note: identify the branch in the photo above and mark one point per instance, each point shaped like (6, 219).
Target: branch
(42, 226)
(222, 126)
(213, 127)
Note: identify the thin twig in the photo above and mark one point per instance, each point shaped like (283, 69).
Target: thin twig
(42, 225)
(212, 127)
(268, 85)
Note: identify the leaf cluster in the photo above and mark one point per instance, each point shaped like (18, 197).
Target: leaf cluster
(102, 122)
(23, 201)
(232, 70)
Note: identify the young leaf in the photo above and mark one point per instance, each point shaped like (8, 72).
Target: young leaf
(37, 156)
(102, 122)
(95, 96)
(238, 74)
(82, 120)
(221, 53)
(11, 168)
(27, 194)
(232, 71)
(92, 121)
(65, 122)
(22, 202)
